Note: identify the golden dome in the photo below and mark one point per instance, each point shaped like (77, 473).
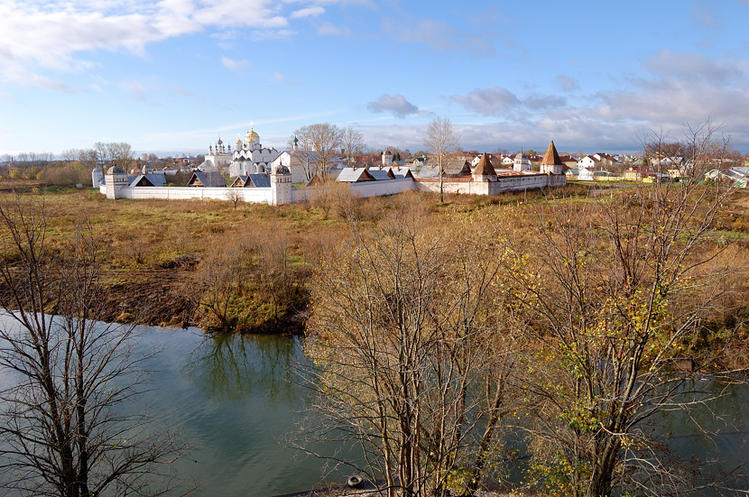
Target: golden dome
(252, 136)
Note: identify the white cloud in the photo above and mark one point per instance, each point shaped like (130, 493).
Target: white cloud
(37, 36)
(308, 12)
(397, 104)
(269, 34)
(236, 65)
(676, 89)
(436, 34)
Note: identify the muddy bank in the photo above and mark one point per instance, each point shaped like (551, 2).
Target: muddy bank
(161, 300)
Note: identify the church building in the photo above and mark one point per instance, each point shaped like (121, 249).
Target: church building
(248, 156)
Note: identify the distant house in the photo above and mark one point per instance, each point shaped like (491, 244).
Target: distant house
(521, 162)
(589, 162)
(206, 179)
(303, 165)
(255, 180)
(738, 175)
(632, 175)
(568, 161)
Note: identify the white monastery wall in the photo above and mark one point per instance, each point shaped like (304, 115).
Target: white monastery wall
(286, 194)
(376, 188)
(363, 190)
(503, 184)
(460, 187)
(254, 195)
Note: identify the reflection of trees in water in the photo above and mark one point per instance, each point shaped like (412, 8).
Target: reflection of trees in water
(709, 438)
(713, 408)
(231, 367)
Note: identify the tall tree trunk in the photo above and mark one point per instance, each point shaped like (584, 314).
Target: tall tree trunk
(442, 192)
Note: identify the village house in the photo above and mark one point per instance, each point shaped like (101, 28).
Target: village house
(739, 176)
(521, 162)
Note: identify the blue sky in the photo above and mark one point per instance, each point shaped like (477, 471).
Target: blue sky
(173, 75)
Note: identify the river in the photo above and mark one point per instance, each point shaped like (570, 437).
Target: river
(236, 402)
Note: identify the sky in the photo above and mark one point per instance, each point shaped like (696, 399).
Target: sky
(172, 76)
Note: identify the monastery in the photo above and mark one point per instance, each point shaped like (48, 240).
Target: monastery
(261, 175)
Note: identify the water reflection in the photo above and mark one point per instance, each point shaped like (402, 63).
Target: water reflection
(231, 367)
(711, 437)
(235, 399)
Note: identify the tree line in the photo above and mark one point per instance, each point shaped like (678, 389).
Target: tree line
(73, 167)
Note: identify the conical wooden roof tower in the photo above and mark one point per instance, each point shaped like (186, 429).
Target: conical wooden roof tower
(484, 169)
(551, 163)
(551, 157)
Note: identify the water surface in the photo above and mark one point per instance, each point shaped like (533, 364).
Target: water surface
(237, 402)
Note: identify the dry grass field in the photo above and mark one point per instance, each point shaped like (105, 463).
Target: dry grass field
(156, 255)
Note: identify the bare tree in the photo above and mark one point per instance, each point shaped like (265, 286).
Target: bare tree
(218, 279)
(119, 154)
(399, 333)
(324, 140)
(352, 142)
(620, 287)
(103, 155)
(87, 158)
(63, 431)
(440, 140)
(234, 195)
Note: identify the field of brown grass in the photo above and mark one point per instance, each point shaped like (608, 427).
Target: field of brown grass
(152, 250)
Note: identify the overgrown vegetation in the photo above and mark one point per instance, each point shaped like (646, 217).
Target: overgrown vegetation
(156, 250)
(500, 272)
(580, 315)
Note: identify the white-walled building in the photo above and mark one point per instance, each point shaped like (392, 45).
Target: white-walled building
(301, 172)
(218, 157)
(387, 158)
(97, 177)
(521, 162)
(251, 157)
